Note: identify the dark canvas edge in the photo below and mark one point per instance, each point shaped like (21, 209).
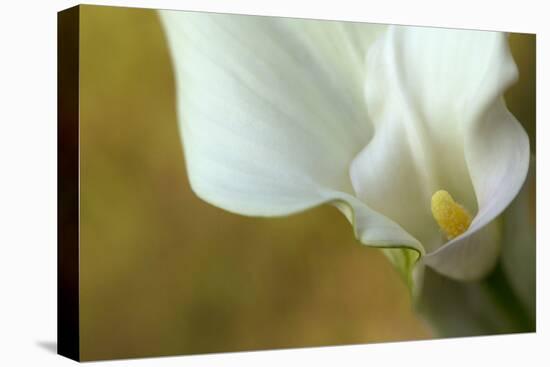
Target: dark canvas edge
(68, 326)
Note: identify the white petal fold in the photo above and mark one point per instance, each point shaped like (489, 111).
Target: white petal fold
(279, 115)
(271, 114)
(435, 99)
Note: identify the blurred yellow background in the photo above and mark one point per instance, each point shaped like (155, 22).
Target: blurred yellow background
(162, 272)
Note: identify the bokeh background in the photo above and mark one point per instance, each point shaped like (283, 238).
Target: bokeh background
(162, 272)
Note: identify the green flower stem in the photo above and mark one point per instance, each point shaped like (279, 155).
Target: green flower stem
(486, 307)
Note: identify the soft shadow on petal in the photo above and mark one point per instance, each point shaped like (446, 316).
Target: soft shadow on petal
(385, 176)
(271, 114)
(472, 257)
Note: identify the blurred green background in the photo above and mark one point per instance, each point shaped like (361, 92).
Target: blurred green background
(164, 273)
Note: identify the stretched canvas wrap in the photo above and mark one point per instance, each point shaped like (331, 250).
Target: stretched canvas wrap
(236, 182)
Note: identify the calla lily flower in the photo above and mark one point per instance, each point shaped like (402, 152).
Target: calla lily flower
(403, 129)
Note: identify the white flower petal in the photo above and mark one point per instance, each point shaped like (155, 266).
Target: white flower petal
(498, 157)
(271, 114)
(386, 177)
(471, 256)
(497, 154)
(434, 97)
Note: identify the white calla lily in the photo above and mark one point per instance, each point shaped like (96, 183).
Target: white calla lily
(280, 115)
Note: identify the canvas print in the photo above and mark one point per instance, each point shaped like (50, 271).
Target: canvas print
(237, 182)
